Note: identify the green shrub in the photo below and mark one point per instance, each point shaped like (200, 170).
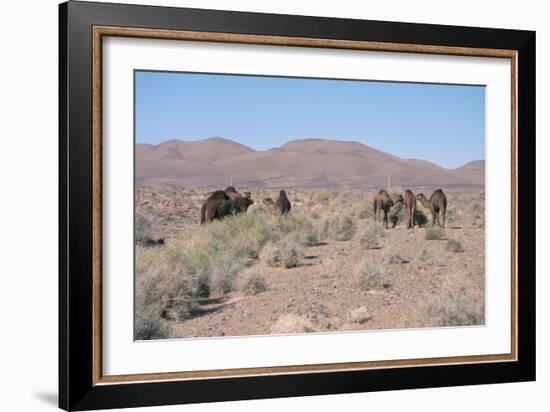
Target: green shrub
(301, 228)
(142, 228)
(253, 284)
(286, 252)
(342, 228)
(370, 235)
(368, 275)
(420, 218)
(455, 309)
(150, 325)
(396, 214)
(365, 210)
(454, 246)
(434, 233)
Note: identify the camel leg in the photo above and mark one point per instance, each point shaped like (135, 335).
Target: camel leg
(444, 212)
(433, 218)
(412, 218)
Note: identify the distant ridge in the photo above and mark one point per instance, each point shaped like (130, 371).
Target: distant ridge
(298, 163)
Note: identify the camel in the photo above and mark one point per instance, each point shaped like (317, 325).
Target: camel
(283, 204)
(221, 203)
(409, 200)
(437, 205)
(383, 201)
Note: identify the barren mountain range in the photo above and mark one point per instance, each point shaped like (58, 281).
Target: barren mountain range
(301, 163)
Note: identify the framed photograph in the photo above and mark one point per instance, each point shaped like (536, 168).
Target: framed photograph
(256, 205)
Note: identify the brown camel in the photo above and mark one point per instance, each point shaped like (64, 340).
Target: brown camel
(383, 201)
(437, 205)
(409, 200)
(221, 203)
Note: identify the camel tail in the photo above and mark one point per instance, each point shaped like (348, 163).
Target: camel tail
(203, 214)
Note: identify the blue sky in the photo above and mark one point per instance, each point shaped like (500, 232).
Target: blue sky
(444, 124)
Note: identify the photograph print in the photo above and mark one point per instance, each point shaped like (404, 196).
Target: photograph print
(281, 205)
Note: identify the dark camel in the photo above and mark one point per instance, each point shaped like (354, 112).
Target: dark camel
(383, 201)
(437, 205)
(283, 204)
(221, 203)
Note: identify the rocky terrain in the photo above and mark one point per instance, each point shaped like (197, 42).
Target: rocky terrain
(327, 267)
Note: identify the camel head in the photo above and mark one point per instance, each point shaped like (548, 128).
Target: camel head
(422, 199)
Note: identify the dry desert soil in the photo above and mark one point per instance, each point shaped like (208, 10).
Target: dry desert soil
(353, 276)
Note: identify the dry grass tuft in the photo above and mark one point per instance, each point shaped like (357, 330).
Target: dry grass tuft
(434, 233)
(252, 284)
(368, 275)
(292, 323)
(454, 246)
(360, 315)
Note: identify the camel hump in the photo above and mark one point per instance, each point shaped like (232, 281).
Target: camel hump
(218, 195)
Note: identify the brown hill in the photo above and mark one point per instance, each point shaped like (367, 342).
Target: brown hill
(473, 171)
(300, 163)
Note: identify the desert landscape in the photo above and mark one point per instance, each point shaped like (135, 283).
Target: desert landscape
(327, 266)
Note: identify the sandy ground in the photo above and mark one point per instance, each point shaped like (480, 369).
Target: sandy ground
(424, 285)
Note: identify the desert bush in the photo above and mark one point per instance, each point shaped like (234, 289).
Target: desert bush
(394, 258)
(420, 218)
(424, 256)
(477, 213)
(143, 228)
(342, 228)
(324, 196)
(159, 297)
(291, 253)
(454, 246)
(301, 228)
(292, 323)
(396, 215)
(434, 233)
(360, 315)
(370, 235)
(150, 325)
(287, 253)
(270, 255)
(211, 257)
(455, 309)
(252, 284)
(365, 210)
(368, 275)
(323, 229)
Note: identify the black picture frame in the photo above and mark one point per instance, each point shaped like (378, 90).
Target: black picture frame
(77, 390)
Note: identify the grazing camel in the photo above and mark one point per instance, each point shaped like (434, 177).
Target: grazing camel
(437, 205)
(221, 203)
(409, 200)
(383, 201)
